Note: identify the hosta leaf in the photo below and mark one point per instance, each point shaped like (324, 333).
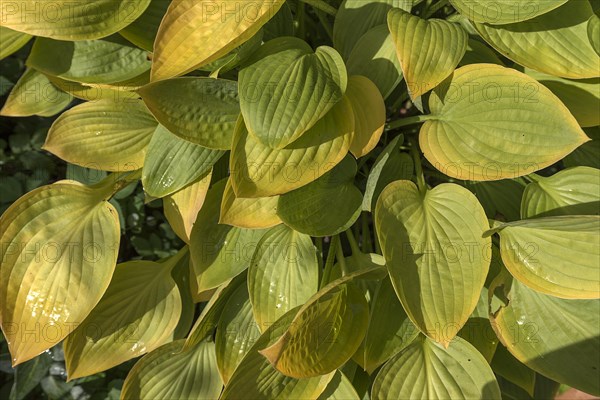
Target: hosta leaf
(105, 61)
(194, 33)
(391, 165)
(282, 24)
(508, 367)
(555, 43)
(143, 30)
(287, 88)
(12, 41)
(502, 12)
(478, 330)
(374, 56)
(201, 110)
(181, 208)
(260, 212)
(588, 154)
(526, 126)
(369, 114)
(236, 332)
(260, 171)
(356, 17)
(479, 53)
(390, 329)
(593, 30)
(172, 163)
(283, 274)
(219, 252)
(327, 206)
(501, 199)
(435, 253)
(257, 379)
(558, 256)
(418, 42)
(170, 372)
(581, 96)
(59, 252)
(339, 388)
(92, 92)
(181, 274)
(34, 94)
(555, 337)
(103, 135)
(570, 191)
(325, 333)
(69, 20)
(137, 314)
(425, 370)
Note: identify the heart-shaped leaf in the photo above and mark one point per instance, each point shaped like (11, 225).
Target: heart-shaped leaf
(287, 88)
(172, 163)
(283, 274)
(436, 256)
(104, 61)
(137, 314)
(568, 192)
(526, 126)
(34, 94)
(554, 255)
(201, 110)
(69, 20)
(425, 370)
(143, 30)
(59, 252)
(172, 372)
(501, 12)
(197, 32)
(259, 212)
(418, 41)
(555, 337)
(325, 207)
(260, 171)
(555, 43)
(103, 135)
(369, 114)
(12, 41)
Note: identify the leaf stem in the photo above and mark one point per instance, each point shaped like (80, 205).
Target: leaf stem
(417, 119)
(366, 234)
(325, 23)
(532, 178)
(330, 260)
(340, 258)
(352, 241)
(414, 150)
(435, 8)
(321, 5)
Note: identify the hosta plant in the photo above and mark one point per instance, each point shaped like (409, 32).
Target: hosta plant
(386, 199)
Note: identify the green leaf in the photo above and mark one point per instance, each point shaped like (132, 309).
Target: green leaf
(28, 375)
(172, 163)
(201, 110)
(436, 256)
(219, 252)
(104, 61)
(260, 171)
(257, 379)
(325, 333)
(593, 30)
(103, 135)
(391, 165)
(143, 30)
(555, 337)
(286, 88)
(59, 252)
(374, 56)
(501, 12)
(283, 274)
(259, 212)
(478, 330)
(568, 192)
(181, 274)
(195, 33)
(525, 126)
(581, 96)
(555, 43)
(325, 207)
(508, 367)
(356, 17)
(390, 329)
(339, 388)
(554, 255)
(588, 154)
(12, 41)
(137, 314)
(479, 53)
(236, 332)
(418, 42)
(171, 372)
(34, 94)
(425, 370)
(68, 20)
(501, 199)
(118, 92)
(369, 114)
